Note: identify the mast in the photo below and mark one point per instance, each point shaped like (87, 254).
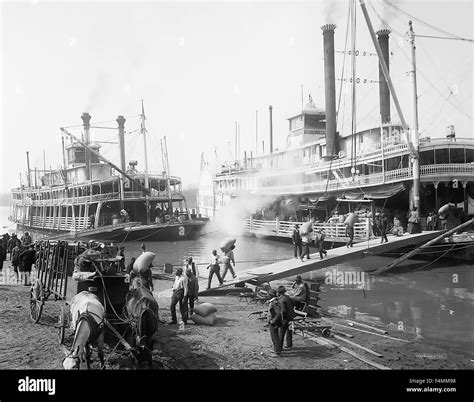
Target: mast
(413, 148)
(387, 76)
(147, 184)
(256, 132)
(415, 133)
(270, 108)
(353, 87)
(168, 180)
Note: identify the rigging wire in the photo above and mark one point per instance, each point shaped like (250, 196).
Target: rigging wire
(420, 71)
(444, 37)
(453, 36)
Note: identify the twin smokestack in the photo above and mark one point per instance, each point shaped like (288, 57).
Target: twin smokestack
(86, 119)
(332, 140)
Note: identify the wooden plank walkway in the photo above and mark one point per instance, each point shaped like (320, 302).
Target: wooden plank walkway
(287, 268)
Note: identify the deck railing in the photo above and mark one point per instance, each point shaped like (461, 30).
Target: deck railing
(389, 176)
(447, 168)
(60, 223)
(115, 196)
(333, 231)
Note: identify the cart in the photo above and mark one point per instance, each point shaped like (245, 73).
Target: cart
(55, 266)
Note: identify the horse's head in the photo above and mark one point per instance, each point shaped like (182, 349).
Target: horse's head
(72, 361)
(142, 310)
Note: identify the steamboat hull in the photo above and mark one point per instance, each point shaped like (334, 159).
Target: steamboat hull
(125, 232)
(156, 232)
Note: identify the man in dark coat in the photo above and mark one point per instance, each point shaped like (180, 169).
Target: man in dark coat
(190, 292)
(287, 316)
(274, 322)
(296, 239)
(383, 228)
(11, 244)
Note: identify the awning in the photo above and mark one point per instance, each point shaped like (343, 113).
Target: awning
(374, 193)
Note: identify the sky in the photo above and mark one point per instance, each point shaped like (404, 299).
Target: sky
(201, 66)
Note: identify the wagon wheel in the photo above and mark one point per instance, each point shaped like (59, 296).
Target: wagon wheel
(36, 301)
(62, 323)
(326, 332)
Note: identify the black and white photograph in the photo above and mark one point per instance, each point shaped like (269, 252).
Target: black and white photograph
(282, 190)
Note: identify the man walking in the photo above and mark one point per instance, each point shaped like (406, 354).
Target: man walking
(350, 234)
(177, 297)
(296, 239)
(228, 259)
(190, 292)
(17, 250)
(319, 240)
(214, 269)
(287, 316)
(306, 240)
(383, 228)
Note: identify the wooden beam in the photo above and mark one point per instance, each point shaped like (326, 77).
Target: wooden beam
(406, 256)
(382, 331)
(372, 333)
(357, 346)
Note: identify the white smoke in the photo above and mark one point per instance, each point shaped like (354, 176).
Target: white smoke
(229, 220)
(98, 92)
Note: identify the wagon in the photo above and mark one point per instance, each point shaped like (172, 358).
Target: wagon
(55, 266)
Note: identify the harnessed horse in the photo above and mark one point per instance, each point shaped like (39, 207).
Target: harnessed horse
(87, 319)
(141, 309)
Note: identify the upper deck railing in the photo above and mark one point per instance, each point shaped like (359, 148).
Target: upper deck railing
(112, 196)
(333, 231)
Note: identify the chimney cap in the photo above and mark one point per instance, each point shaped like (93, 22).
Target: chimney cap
(86, 118)
(383, 32)
(328, 27)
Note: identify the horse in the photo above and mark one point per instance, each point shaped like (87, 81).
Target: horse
(141, 309)
(87, 314)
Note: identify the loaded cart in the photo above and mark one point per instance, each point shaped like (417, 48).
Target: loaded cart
(55, 267)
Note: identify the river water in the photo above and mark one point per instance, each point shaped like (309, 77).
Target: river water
(432, 301)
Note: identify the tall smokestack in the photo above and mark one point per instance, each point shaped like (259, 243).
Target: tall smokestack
(330, 90)
(384, 92)
(86, 118)
(121, 133)
(28, 167)
(270, 108)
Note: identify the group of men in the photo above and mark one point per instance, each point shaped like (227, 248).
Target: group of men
(302, 240)
(185, 292)
(22, 255)
(214, 266)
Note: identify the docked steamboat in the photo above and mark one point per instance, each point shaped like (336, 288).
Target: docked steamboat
(92, 198)
(388, 167)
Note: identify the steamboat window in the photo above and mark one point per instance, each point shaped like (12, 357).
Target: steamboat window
(456, 155)
(441, 156)
(469, 155)
(427, 157)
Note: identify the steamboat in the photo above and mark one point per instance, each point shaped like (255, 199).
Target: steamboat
(322, 172)
(90, 197)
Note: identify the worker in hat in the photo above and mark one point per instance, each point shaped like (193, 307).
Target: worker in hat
(296, 240)
(274, 322)
(178, 297)
(287, 316)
